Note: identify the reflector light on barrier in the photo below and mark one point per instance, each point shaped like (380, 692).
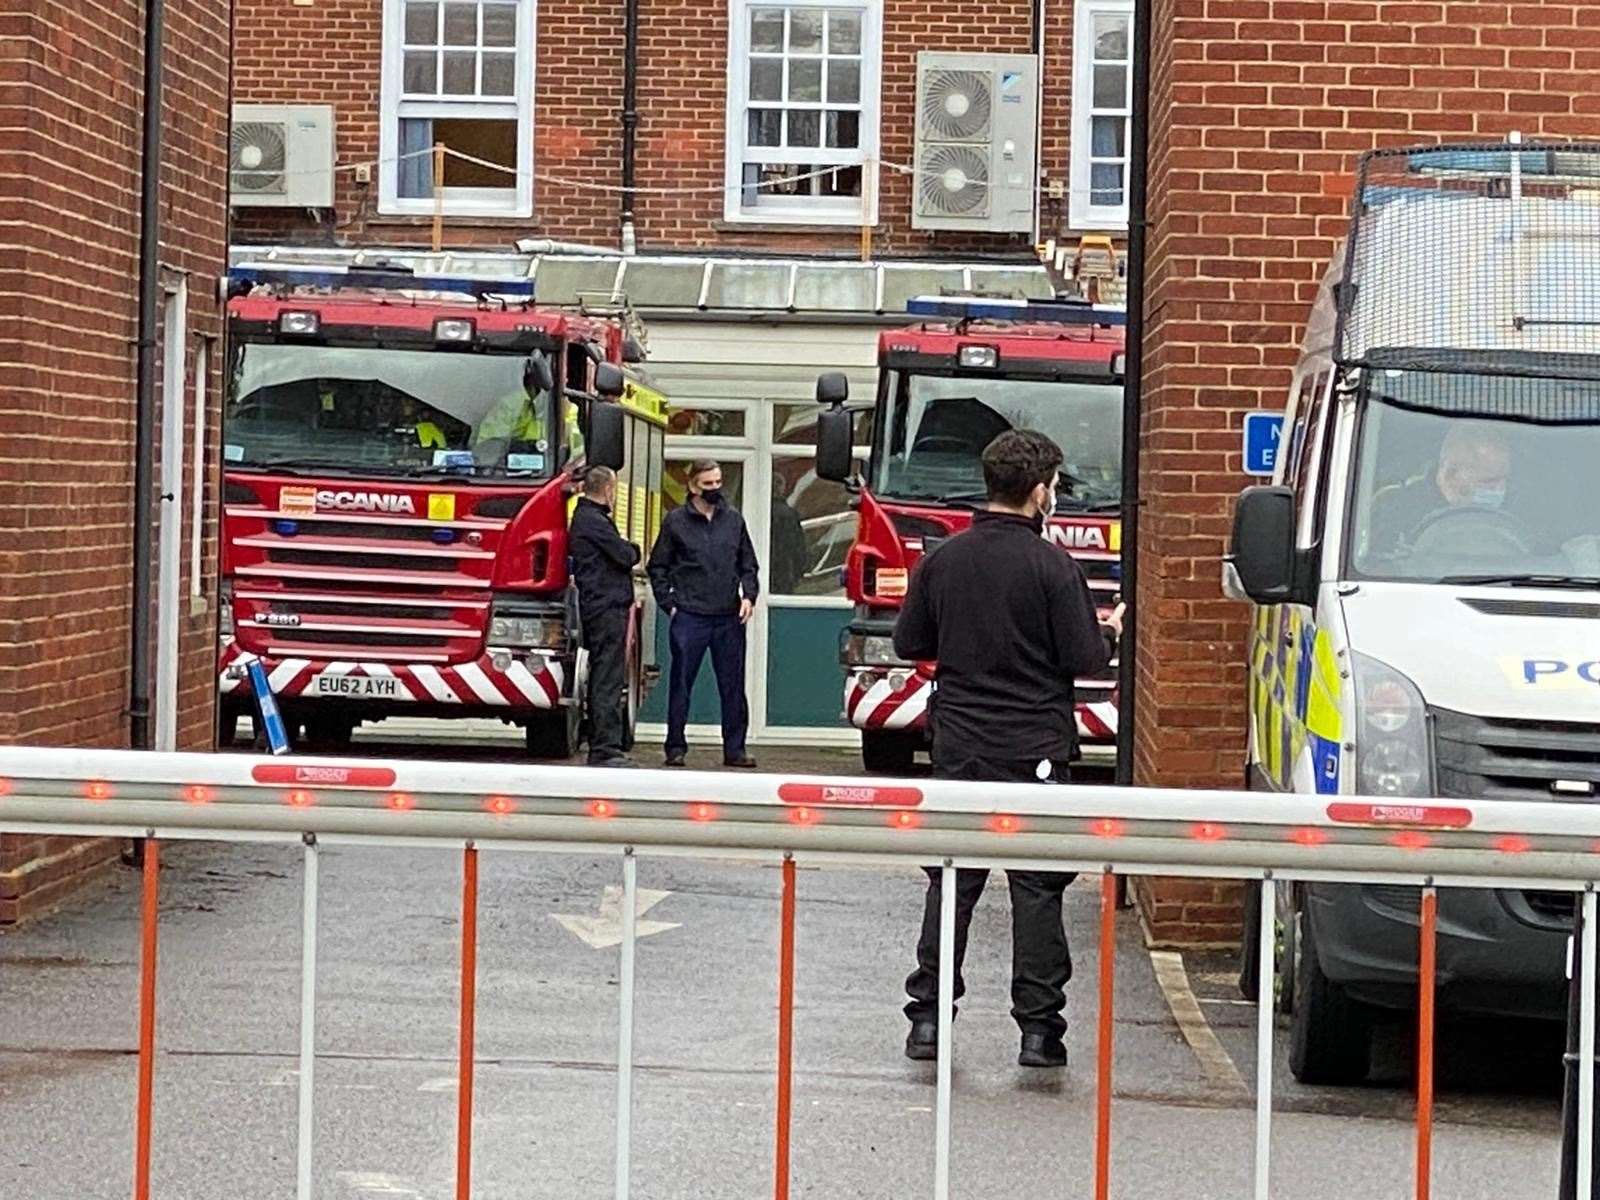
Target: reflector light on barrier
(299, 798)
(197, 793)
(99, 791)
(803, 816)
(1207, 831)
(905, 820)
(1004, 823)
(1512, 844)
(5, 787)
(400, 802)
(602, 809)
(1108, 827)
(1309, 836)
(500, 805)
(702, 812)
(1411, 839)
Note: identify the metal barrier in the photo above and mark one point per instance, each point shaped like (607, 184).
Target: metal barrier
(821, 821)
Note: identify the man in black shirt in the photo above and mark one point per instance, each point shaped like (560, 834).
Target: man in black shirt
(602, 564)
(703, 570)
(1010, 622)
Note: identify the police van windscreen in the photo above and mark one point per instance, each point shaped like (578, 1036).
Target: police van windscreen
(1471, 479)
(386, 412)
(932, 436)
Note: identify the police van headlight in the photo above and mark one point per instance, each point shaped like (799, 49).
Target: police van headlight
(871, 650)
(1393, 751)
(523, 628)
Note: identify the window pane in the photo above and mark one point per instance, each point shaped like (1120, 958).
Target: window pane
(422, 72)
(460, 73)
(1108, 137)
(460, 24)
(765, 127)
(766, 29)
(422, 24)
(1111, 87)
(1105, 183)
(844, 130)
(805, 30)
(805, 128)
(415, 169)
(805, 79)
(705, 422)
(812, 527)
(844, 81)
(766, 79)
(1111, 37)
(844, 33)
(493, 140)
(499, 24)
(799, 179)
(500, 74)
(796, 424)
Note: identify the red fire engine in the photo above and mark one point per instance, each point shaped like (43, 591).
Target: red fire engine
(399, 461)
(946, 388)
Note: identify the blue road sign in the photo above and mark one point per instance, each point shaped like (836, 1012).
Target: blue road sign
(1261, 433)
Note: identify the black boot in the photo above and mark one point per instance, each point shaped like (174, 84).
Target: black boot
(922, 1043)
(1042, 1050)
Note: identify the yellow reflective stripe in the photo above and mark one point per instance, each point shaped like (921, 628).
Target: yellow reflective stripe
(1322, 706)
(645, 401)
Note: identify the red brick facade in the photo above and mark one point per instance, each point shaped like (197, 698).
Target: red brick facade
(70, 95)
(1259, 110)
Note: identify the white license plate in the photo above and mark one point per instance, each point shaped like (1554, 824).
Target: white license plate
(356, 686)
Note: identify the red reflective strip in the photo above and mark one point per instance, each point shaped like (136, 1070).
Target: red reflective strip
(1426, 816)
(1425, 987)
(857, 795)
(324, 776)
(147, 1021)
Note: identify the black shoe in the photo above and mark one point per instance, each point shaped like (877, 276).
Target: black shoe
(922, 1043)
(742, 761)
(674, 758)
(1042, 1050)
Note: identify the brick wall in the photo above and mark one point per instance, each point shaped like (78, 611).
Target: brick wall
(328, 53)
(1259, 110)
(70, 93)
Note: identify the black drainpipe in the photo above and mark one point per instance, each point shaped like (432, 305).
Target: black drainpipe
(145, 402)
(630, 118)
(1133, 389)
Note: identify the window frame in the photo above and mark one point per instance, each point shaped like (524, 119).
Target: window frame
(513, 202)
(804, 210)
(1082, 213)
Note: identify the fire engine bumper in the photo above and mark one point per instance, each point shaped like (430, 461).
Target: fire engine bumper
(501, 681)
(897, 699)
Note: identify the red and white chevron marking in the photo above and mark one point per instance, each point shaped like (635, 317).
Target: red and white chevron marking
(872, 701)
(471, 684)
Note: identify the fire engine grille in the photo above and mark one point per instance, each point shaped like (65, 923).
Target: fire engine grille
(365, 560)
(1485, 759)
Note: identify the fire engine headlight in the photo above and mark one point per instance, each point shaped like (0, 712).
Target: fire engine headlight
(299, 324)
(1119, 364)
(525, 630)
(454, 329)
(1393, 752)
(872, 650)
(979, 358)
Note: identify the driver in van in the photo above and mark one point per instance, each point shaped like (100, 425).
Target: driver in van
(1473, 469)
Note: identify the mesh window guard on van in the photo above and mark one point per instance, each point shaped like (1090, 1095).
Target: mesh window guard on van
(1488, 396)
(1481, 258)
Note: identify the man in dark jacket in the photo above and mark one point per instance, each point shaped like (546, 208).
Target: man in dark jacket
(703, 570)
(1010, 622)
(602, 564)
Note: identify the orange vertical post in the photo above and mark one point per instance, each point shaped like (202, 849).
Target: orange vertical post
(469, 1002)
(780, 1181)
(1426, 972)
(1108, 975)
(147, 1021)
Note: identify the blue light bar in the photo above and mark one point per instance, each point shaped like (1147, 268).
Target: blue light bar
(378, 279)
(1044, 312)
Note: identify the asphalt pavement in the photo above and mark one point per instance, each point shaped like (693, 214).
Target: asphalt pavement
(705, 1046)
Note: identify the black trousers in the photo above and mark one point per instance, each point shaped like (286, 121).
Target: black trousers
(1041, 962)
(690, 636)
(605, 634)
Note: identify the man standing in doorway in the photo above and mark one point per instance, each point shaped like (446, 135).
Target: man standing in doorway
(704, 574)
(602, 564)
(1010, 621)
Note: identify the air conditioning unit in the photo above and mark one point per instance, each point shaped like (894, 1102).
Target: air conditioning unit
(977, 142)
(281, 156)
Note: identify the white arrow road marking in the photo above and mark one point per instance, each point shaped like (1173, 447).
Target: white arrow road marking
(606, 929)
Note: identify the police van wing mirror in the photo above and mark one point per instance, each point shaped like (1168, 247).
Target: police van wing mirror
(604, 446)
(835, 434)
(1263, 554)
(608, 381)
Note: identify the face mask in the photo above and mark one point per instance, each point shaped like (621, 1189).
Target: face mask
(711, 495)
(1489, 497)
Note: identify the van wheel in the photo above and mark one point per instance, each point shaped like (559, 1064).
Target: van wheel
(1330, 1035)
(553, 735)
(889, 752)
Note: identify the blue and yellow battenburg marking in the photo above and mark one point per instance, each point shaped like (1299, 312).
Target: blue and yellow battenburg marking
(1296, 690)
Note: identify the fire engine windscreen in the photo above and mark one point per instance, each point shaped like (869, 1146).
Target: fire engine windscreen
(936, 427)
(387, 412)
(1466, 478)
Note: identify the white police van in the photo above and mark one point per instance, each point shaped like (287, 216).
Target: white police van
(1425, 570)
